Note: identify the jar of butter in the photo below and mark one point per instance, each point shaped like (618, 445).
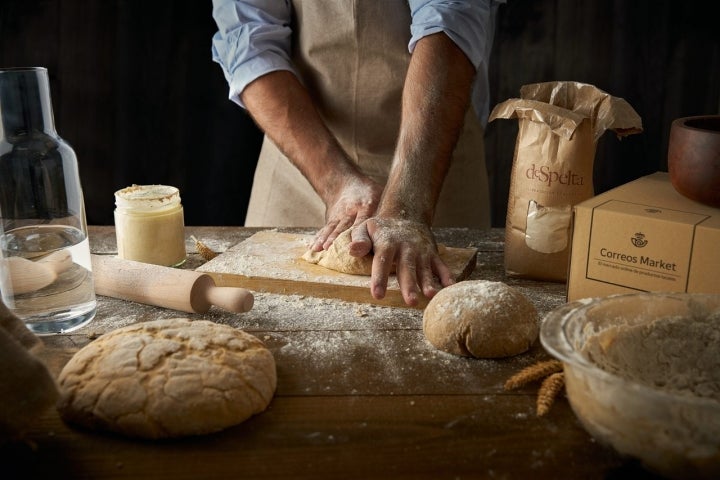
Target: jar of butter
(149, 225)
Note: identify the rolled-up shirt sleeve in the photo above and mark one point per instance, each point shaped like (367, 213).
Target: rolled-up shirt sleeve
(471, 25)
(253, 39)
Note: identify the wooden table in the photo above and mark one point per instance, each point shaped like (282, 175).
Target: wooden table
(361, 394)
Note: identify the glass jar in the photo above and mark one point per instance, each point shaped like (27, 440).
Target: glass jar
(45, 268)
(149, 225)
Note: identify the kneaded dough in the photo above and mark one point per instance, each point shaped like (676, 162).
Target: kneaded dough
(167, 378)
(482, 319)
(338, 257)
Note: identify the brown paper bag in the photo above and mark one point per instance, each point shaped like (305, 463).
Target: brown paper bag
(559, 126)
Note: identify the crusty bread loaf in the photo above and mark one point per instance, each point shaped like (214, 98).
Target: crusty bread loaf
(167, 378)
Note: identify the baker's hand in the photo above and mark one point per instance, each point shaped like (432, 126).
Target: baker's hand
(354, 203)
(409, 246)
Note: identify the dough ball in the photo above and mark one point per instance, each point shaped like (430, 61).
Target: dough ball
(479, 318)
(167, 378)
(338, 257)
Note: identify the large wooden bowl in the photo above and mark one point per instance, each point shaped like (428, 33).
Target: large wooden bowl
(694, 158)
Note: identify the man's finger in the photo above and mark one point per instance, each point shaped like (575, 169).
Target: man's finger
(360, 241)
(442, 271)
(428, 281)
(407, 275)
(381, 266)
(322, 236)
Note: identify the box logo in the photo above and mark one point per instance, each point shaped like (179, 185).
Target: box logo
(639, 240)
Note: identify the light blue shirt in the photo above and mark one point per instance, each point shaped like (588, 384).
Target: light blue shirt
(254, 36)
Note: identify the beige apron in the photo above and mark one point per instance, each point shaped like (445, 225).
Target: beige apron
(352, 56)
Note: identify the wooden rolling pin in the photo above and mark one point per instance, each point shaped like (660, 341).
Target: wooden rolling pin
(168, 287)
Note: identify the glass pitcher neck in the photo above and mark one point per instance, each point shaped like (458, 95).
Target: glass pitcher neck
(25, 104)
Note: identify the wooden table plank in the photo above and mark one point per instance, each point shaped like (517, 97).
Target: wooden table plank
(341, 437)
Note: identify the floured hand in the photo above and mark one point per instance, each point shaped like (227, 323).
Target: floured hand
(355, 203)
(411, 248)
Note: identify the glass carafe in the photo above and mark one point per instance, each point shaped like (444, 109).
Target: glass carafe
(45, 267)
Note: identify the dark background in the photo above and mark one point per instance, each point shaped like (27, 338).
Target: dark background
(137, 95)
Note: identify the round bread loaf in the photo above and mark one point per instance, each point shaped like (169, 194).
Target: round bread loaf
(482, 319)
(167, 378)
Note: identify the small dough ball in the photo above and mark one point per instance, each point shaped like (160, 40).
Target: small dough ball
(480, 318)
(167, 378)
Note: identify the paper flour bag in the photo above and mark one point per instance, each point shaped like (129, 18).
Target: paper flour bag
(559, 126)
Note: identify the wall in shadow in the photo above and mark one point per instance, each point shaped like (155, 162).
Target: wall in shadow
(137, 95)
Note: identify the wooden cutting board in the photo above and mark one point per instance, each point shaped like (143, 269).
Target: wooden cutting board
(270, 261)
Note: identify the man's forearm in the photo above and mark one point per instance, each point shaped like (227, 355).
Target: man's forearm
(435, 99)
(282, 108)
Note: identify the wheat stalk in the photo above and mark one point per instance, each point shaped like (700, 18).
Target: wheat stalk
(534, 372)
(549, 389)
(206, 252)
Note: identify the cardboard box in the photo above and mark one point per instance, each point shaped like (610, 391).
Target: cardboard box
(643, 236)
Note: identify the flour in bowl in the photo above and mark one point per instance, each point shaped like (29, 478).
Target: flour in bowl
(679, 354)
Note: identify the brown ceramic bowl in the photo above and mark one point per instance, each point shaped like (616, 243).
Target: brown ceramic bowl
(694, 158)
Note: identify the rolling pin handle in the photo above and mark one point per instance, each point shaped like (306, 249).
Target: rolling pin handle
(232, 299)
